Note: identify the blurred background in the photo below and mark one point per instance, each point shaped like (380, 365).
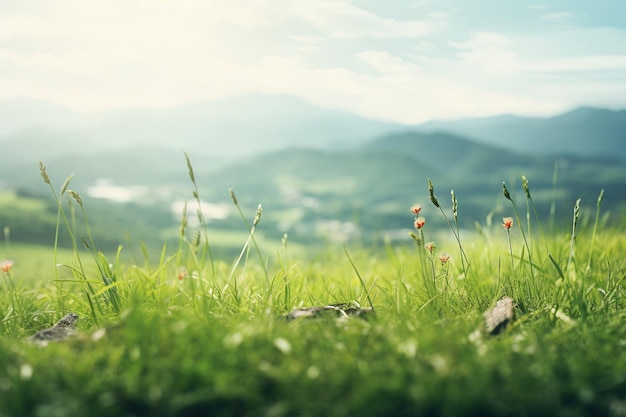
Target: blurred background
(331, 114)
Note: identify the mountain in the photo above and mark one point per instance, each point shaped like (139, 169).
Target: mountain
(253, 124)
(24, 114)
(585, 131)
(338, 194)
(452, 154)
(374, 184)
(232, 128)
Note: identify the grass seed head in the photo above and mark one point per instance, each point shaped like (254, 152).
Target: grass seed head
(431, 194)
(454, 204)
(44, 173)
(257, 216)
(192, 177)
(76, 197)
(526, 187)
(66, 184)
(233, 196)
(183, 221)
(600, 197)
(576, 211)
(505, 191)
(196, 240)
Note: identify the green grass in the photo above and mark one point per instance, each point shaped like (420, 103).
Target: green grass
(216, 342)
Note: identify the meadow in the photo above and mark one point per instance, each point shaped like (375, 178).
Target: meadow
(190, 333)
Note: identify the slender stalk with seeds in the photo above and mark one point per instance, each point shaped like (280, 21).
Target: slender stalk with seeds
(62, 216)
(205, 229)
(455, 213)
(595, 226)
(572, 246)
(246, 247)
(507, 195)
(283, 263)
(256, 220)
(552, 218)
(435, 201)
(530, 200)
(102, 264)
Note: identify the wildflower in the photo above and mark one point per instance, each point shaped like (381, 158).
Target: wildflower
(444, 257)
(415, 209)
(6, 265)
(430, 247)
(507, 222)
(419, 222)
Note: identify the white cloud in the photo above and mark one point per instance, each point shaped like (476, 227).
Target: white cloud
(104, 54)
(481, 40)
(592, 63)
(558, 16)
(342, 19)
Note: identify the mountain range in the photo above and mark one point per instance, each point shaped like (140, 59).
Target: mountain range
(318, 171)
(584, 131)
(254, 124)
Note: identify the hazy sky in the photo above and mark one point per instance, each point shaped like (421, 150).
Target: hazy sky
(406, 61)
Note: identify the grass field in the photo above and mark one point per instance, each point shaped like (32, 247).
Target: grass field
(187, 334)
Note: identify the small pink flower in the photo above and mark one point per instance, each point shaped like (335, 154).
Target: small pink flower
(415, 209)
(6, 265)
(419, 222)
(430, 247)
(444, 257)
(507, 222)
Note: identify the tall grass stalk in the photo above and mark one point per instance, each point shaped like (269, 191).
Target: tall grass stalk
(595, 227)
(420, 243)
(62, 217)
(531, 202)
(552, 218)
(283, 266)
(455, 215)
(572, 246)
(205, 230)
(246, 248)
(251, 228)
(108, 277)
(508, 196)
(435, 201)
(356, 271)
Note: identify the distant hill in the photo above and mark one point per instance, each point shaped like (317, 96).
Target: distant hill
(254, 124)
(585, 131)
(235, 127)
(452, 154)
(344, 193)
(375, 184)
(312, 167)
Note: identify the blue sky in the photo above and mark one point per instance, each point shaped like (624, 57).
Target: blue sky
(406, 61)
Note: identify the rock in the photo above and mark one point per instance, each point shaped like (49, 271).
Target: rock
(62, 330)
(499, 317)
(340, 310)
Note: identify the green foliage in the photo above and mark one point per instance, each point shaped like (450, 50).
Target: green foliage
(184, 333)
